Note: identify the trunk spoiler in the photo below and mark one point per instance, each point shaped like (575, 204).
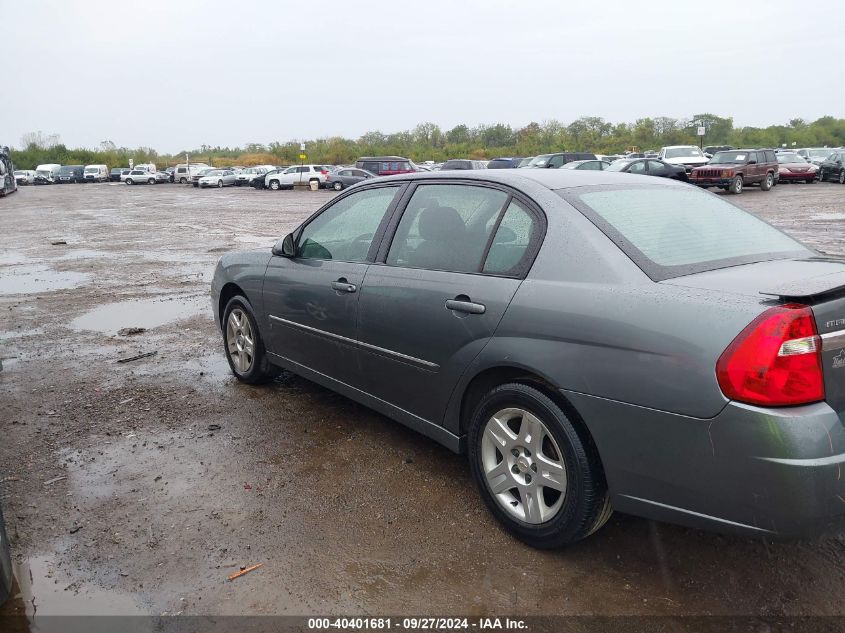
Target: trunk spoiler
(811, 287)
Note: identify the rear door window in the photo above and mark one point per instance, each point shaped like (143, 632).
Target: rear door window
(675, 231)
(511, 242)
(446, 227)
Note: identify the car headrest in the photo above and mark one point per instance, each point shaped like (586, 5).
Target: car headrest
(441, 224)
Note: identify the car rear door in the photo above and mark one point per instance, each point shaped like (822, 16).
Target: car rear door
(311, 299)
(439, 288)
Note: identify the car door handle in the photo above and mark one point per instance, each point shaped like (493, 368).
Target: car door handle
(459, 305)
(341, 285)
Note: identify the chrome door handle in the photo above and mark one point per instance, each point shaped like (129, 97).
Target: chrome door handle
(465, 306)
(341, 285)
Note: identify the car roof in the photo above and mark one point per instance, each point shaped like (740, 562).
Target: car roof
(552, 179)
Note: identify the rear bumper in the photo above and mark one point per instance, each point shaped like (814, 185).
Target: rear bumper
(749, 470)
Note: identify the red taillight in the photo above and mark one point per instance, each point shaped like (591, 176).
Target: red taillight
(324, 172)
(775, 361)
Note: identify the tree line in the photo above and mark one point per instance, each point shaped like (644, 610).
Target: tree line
(427, 141)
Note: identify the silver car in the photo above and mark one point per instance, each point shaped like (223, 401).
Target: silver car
(217, 178)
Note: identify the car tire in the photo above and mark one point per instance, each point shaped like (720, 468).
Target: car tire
(498, 448)
(219, 184)
(128, 181)
(736, 185)
(810, 181)
(274, 185)
(842, 177)
(337, 186)
(248, 362)
(151, 181)
(183, 181)
(768, 182)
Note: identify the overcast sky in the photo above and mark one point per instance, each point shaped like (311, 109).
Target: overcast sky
(176, 75)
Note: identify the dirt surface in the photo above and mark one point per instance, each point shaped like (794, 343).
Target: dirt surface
(138, 487)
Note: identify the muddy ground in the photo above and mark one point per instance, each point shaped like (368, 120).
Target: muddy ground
(139, 487)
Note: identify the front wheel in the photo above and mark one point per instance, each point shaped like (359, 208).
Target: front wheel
(151, 181)
(243, 343)
(538, 474)
(736, 185)
(768, 182)
(128, 181)
(274, 185)
(842, 177)
(338, 186)
(219, 184)
(183, 181)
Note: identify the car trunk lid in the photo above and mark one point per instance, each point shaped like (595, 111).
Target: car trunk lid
(818, 282)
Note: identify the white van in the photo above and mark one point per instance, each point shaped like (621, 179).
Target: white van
(96, 173)
(184, 171)
(47, 174)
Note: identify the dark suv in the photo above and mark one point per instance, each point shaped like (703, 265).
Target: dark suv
(555, 161)
(733, 170)
(385, 165)
(71, 173)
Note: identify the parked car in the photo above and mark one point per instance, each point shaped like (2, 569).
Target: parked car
(95, 173)
(617, 343)
(47, 174)
(385, 165)
(649, 167)
(5, 562)
(140, 177)
(792, 168)
(185, 172)
(249, 174)
(196, 175)
(343, 178)
(25, 176)
(735, 169)
(712, 149)
(297, 174)
(689, 156)
(124, 174)
(260, 183)
(833, 167)
(217, 178)
(8, 181)
(586, 164)
(461, 163)
(162, 177)
(815, 155)
(554, 161)
(115, 173)
(71, 174)
(504, 163)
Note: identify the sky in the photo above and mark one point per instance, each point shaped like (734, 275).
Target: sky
(177, 75)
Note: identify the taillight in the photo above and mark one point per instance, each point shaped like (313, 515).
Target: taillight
(324, 172)
(775, 361)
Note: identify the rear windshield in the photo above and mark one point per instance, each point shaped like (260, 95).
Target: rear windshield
(675, 231)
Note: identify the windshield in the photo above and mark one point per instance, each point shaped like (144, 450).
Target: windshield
(92, 170)
(540, 161)
(215, 172)
(619, 165)
(683, 152)
(675, 231)
(790, 158)
(726, 158)
(818, 153)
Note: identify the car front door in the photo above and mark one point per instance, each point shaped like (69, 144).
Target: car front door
(439, 289)
(656, 168)
(311, 299)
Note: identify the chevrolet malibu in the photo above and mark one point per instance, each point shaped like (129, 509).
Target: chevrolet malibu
(592, 341)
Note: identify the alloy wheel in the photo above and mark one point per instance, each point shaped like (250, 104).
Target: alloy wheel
(523, 466)
(842, 177)
(240, 342)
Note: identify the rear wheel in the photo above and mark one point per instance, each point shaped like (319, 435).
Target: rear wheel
(842, 177)
(219, 184)
(768, 182)
(243, 343)
(128, 181)
(736, 185)
(183, 181)
(151, 181)
(538, 474)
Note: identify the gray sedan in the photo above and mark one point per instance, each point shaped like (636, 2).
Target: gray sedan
(591, 340)
(347, 177)
(217, 178)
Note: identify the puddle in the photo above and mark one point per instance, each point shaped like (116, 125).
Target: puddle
(35, 278)
(43, 590)
(145, 313)
(9, 259)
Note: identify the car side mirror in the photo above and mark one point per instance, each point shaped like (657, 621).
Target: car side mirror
(285, 247)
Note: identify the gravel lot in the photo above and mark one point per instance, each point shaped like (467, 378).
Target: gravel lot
(138, 487)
